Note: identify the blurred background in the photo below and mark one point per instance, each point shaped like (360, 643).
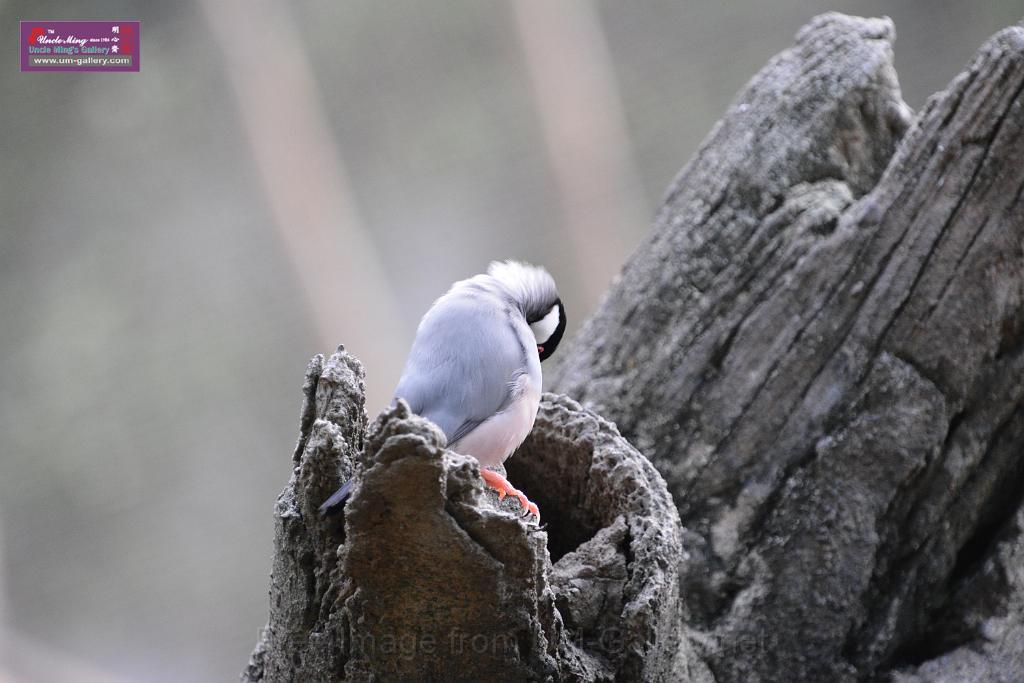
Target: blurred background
(280, 178)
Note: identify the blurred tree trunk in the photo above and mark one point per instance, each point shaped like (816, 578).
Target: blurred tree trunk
(821, 349)
(307, 184)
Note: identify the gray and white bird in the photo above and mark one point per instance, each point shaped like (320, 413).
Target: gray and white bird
(474, 368)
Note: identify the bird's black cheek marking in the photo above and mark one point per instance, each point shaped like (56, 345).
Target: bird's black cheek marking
(551, 344)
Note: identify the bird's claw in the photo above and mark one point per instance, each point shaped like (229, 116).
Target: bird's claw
(504, 488)
(530, 508)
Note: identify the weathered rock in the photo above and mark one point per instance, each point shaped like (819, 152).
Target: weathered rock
(332, 423)
(820, 347)
(832, 390)
(615, 541)
(980, 637)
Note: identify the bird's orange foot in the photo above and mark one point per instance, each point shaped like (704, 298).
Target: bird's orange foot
(501, 485)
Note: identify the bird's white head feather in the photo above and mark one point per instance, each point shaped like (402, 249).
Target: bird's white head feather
(531, 287)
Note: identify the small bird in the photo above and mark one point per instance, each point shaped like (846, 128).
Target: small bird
(474, 368)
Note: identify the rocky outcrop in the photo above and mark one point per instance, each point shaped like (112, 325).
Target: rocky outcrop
(820, 348)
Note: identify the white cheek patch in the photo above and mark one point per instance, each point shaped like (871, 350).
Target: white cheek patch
(545, 327)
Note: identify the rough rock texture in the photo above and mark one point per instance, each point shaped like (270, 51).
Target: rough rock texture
(822, 350)
(332, 424)
(982, 629)
(427, 577)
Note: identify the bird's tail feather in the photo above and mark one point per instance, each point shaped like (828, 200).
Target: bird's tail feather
(336, 503)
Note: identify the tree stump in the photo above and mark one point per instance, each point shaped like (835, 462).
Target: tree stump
(428, 577)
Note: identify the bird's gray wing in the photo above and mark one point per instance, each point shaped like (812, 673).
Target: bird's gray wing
(462, 365)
